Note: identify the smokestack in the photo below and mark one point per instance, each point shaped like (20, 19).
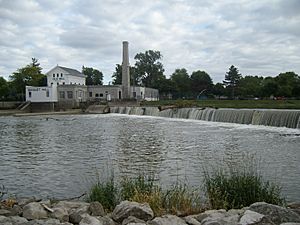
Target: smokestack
(125, 72)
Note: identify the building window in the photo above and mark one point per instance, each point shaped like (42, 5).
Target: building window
(62, 94)
(97, 95)
(101, 95)
(91, 94)
(61, 75)
(134, 94)
(57, 75)
(54, 75)
(57, 83)
(70, 94)
(47, 93)
(29, 94)
(63, 83)
(51, 83)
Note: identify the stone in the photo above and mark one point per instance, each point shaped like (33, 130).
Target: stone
(50, 221)
(4, 212)
(34, 210)
(89, 220)
(132, 219)
(61, 214)
(17, 220)
(16, 210)
(96, 209)
(251, 217)
(290, 224)
(138, 210)
(70, 205)
(106, 220)
(276, 214)
(77, 215)
(211, 222)
(136, 224)
(191, 220)
(5, 220)
(24, 201)
(167, 220)
(294, 205)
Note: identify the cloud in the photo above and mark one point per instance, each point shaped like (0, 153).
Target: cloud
(260, 37)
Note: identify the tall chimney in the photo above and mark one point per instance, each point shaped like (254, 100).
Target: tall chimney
(125, 72)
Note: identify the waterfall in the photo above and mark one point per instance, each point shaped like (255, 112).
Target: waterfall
(266, 117)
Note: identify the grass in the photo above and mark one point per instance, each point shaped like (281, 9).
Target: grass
(240, 188)
(264, 104)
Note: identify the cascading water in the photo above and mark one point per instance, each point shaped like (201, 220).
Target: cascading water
(266, 117)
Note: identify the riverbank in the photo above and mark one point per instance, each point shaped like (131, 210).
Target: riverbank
(32, 212)
(19, 113)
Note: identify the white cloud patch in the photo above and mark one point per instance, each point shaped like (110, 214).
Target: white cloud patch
(260, 37)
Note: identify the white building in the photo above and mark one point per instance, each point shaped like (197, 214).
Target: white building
(57, 76)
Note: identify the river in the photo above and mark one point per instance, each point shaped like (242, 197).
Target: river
(60, 156)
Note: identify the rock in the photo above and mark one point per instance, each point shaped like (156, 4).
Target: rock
(294, 205)
(251, 217)
(89, 220)
(24, 201)
(106, 220)
(17, 220)
(5, 221)
(96, 209)
(16, 210)
(4, 212)
(132, 219)
(191, 220)
(210, 213)
(70, 205)
(34, 210)
(138, 210)
(46, 222)
(211, 222)
(61, 214)
(136, 224)
(276, 214)
(290, 224)
(78, 214)
(167, 220)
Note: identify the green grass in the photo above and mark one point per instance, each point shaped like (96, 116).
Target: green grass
(265, 104)
(239, 188)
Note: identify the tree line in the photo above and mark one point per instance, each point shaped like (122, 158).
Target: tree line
(148, 71)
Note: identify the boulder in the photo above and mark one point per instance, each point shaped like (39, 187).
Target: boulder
(96, 209)
(251, 217)
(138, 210)
(16, 210)
(61, 214)
(17, 220)
(191, 220)
(34, 210)
(290, 224)
(167, 220)
(132, 219)
(70, 205)
(45, 222)
(76, 215)
(24, 201)
(5, 212)
(106, 220)
(89, 220)
(5, 221)
(276, 214)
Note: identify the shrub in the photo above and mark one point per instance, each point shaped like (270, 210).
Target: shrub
(238, 189)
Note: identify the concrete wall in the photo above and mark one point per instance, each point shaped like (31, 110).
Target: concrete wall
(70, 96)
(9, 105)
(151, 94)
(41, 94)
(102, 92)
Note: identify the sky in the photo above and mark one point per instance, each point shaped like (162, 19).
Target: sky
(259, 37)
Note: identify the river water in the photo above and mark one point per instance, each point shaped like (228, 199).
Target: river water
(60, 156)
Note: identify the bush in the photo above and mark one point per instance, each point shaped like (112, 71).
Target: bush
(238, 189)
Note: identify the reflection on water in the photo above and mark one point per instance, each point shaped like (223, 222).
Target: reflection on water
(59, 156)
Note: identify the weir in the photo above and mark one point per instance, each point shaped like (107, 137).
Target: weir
(266, 117)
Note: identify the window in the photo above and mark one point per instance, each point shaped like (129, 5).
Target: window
(91, 94)
(62, 94)
(63, 83)
(70, 94)
(61, 75)
(134, 94)
(97, 95)
(51, 83)
(47, 94)
(57, 75)
(101, 95)
(57, 83)
(29, 94)
(54, 75)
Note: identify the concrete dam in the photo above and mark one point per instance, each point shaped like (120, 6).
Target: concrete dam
(265, 117)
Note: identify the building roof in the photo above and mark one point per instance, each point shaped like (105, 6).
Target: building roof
(72, 71)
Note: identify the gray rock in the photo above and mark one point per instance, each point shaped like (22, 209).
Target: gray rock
(191, 220)
(106, 220)
(77, 215)
(290, 224)
(167, 220)
(89, 220)
(251, 217)
(70, 205)
(61, 214)
(24, 201)
(44, 222)
(132, 219)
(276, 214)
(17, 220)
(16, 210)
(4, 212)
(294, 205)
(136, 224)
(5, 220)
(96, 209)
(34, 210)
(211, 222)
(138, 210)
(210, 213)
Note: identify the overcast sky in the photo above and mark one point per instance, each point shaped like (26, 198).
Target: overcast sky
(260, 37)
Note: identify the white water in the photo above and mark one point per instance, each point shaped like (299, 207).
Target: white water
(266, 117)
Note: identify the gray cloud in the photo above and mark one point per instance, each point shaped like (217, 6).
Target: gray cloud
(260, 37)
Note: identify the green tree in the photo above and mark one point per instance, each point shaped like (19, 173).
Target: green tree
(29, 75)
(182, 83)
(93, 76)
(117, 76)
(232, 78)
(148, 68)
(4, 89)
(288, 84)
(269, 87)
(201, 82)
(165, 87)
(218, 90)
(251, 86)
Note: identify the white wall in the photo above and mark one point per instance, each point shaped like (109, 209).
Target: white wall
(60, 77)
(39, 94)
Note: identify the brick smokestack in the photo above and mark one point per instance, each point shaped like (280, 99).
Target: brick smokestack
(125, 72)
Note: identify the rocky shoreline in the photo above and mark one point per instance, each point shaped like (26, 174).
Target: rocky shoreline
(32, 212)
